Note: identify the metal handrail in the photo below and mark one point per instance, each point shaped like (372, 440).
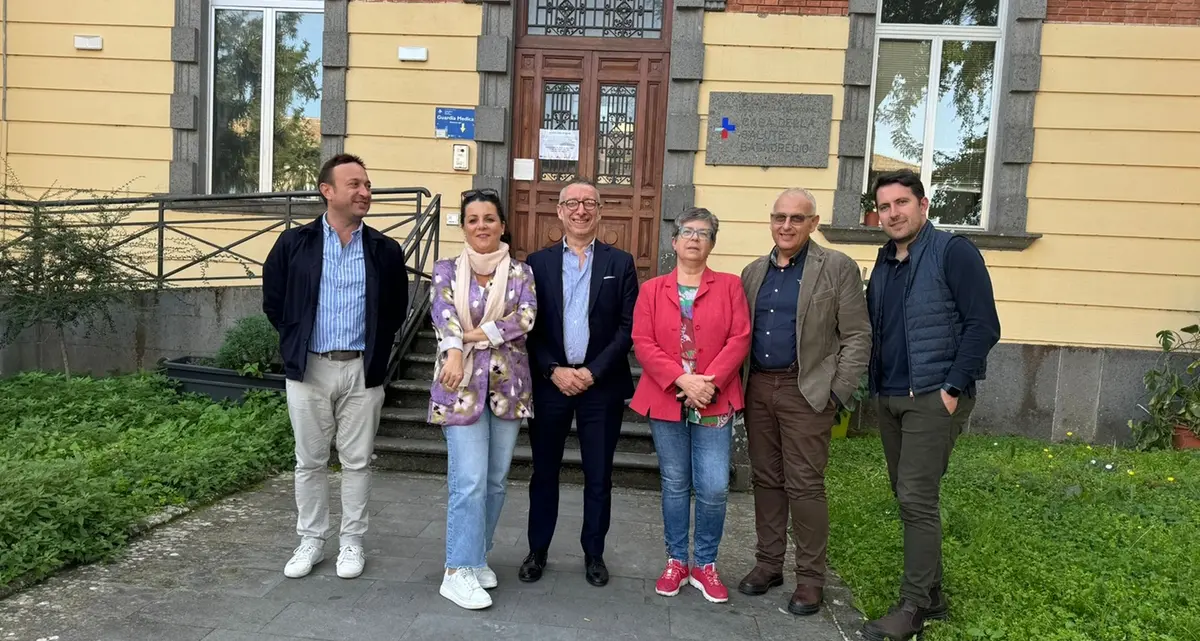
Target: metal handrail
(274, 210)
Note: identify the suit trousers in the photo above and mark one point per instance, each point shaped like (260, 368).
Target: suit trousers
(333, 401)
(918, 435)
(597, 414)
(789, 449)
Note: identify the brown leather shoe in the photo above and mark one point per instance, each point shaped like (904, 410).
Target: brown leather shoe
(903, 622)
(806, 600)
(759, 581)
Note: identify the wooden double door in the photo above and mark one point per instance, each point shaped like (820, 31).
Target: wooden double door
(615, 102)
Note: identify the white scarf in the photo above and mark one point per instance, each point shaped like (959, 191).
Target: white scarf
(470, 263)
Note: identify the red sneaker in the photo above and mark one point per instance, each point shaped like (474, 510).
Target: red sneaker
(673, 577)
(706, 579)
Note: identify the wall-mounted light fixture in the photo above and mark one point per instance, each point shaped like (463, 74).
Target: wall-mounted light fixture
(413, 54)
(89, 43)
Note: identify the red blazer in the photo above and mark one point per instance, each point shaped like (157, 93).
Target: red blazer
(721, 319)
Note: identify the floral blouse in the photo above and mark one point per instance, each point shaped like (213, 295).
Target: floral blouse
(501, 374)
(687, 349)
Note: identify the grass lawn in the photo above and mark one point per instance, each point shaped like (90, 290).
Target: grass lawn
(1042, 542)
(86, 459)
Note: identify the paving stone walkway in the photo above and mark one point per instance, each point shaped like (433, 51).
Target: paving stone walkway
(217, 574)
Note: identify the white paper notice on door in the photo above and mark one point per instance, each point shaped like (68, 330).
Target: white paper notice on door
(558, 144)
(522, 169)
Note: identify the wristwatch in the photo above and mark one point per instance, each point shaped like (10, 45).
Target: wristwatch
(951, 390)
(550, 369)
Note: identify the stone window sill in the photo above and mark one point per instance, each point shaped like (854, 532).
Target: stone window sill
(863, 235)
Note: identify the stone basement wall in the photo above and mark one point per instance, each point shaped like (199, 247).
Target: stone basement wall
(166, 324)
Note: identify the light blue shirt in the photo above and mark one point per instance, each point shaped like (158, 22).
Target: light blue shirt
(341, 322)
(577, 285)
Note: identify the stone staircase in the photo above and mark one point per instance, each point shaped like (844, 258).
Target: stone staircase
(406, 442)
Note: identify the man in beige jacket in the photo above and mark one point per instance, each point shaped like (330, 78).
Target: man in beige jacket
(810, 346)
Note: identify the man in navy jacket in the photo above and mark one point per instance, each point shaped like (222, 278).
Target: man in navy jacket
(933, 317)
(579, 353)
(337, 292)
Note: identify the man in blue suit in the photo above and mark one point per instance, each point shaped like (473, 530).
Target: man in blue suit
(579, 353)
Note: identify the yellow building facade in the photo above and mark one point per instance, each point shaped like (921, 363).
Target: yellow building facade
(1064, 139)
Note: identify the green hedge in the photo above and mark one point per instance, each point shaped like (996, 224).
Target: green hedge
(86, 459)
(1048, 542)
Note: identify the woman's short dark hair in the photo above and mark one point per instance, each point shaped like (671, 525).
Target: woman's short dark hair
(485, 196)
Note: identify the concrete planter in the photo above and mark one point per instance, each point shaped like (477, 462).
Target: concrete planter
(217, 383)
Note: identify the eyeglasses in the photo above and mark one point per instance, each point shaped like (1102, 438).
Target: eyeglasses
(796, 219)
(588, 204)
(692, 232)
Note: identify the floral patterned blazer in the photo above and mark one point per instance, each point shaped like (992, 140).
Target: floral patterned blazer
(501, 377)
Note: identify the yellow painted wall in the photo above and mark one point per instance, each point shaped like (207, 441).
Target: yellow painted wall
(390, 104)
(1114, 188)
(89, 119)
(772, 54)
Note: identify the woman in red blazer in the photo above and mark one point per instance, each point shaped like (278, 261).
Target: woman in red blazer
(691, 333)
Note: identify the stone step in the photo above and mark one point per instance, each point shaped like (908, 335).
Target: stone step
(429, 455)
(410, 422)
(415, 393)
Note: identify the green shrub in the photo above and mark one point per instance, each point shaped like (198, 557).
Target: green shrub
(251, 345)
(86, 459)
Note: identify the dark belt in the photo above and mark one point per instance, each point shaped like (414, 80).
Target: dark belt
(794, 368)
(339, 355)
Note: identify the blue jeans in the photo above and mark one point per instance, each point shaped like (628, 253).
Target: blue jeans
(479, 458)
(693, 457)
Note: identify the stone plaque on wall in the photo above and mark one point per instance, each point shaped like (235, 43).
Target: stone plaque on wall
(768, 129)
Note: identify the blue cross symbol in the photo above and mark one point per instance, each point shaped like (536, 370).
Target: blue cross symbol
(727, 127)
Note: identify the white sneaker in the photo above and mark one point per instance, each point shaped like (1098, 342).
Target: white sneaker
(350, 561)
(487, 578)
(303, 559)
(464, 590)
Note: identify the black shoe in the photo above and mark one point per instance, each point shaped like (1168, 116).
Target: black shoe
(939, 608)
(903, 622)
(596, 572)
(532, 567)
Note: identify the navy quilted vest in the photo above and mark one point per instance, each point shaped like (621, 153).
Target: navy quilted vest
(931, 321)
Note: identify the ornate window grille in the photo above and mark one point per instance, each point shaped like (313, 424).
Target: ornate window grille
(561, 112)
(596, 18)
(614, 151)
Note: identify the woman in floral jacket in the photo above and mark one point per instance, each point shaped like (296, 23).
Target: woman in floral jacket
(484, 304)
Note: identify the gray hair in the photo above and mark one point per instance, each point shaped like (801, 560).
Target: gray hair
(699, 214)
(800, 191)
(577, 181)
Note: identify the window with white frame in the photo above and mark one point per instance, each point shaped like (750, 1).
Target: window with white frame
(934, 100)
(264, 95)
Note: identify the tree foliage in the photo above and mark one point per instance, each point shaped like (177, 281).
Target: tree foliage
(66, 264)
(237, 104)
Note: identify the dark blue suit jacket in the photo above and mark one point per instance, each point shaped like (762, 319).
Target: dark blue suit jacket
(291, 283)
(611, 297)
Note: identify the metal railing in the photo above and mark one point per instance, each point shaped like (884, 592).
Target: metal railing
(180, 236)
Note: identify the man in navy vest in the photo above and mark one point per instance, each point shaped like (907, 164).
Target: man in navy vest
(934, 320)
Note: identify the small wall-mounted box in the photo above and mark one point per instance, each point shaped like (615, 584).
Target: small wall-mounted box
(413, 54)
(89, 43)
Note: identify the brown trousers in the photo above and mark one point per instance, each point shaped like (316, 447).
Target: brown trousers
(789, 449)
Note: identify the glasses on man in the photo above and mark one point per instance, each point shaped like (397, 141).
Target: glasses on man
(796, 219)
(699, 234)
(574, 203)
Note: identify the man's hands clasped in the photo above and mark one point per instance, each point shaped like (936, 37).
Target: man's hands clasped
(572, 381)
